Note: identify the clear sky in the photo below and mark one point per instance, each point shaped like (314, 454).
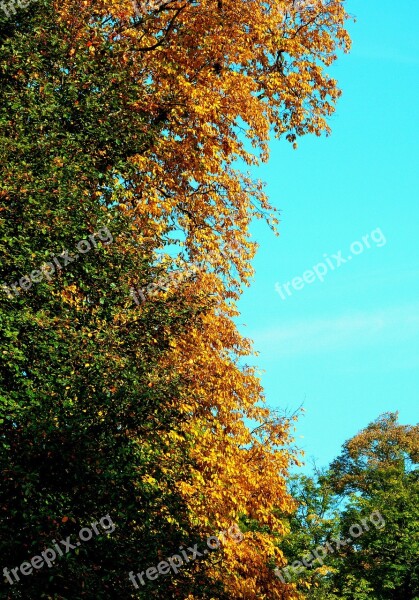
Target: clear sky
(347, 347)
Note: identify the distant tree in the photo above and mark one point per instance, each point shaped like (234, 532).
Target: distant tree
(378, 470)
(369, 499)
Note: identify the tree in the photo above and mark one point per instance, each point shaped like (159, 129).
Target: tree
(121, 131)
(219, 78)
(368, 500)
(378, 471)
(87, 411)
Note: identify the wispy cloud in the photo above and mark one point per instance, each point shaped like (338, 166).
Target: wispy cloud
(323, 334)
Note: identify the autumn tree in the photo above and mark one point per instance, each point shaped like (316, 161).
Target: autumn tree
(136, 122)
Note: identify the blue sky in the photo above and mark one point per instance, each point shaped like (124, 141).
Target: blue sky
(348, 347)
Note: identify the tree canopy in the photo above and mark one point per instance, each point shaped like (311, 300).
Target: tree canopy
(367, 499)
(123, 138)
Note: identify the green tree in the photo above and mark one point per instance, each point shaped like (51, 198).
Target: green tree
(86, 408)
(367, 499)
(378, 471)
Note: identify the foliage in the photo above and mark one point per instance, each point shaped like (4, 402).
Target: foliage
(133, 124)
(87, 410)
(376, 471)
